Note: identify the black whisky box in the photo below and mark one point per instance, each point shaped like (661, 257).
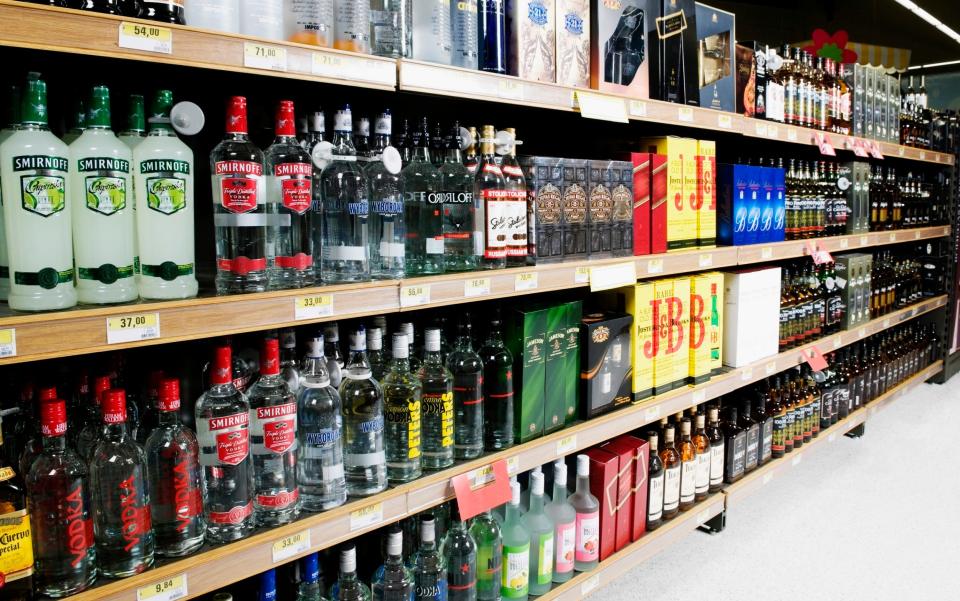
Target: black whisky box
(716, 78)
(573, 220)
(621, 235)
(619, 53)
(752, 79)
(673, 53)
(544, 176)
(606, 371)
(600, 210)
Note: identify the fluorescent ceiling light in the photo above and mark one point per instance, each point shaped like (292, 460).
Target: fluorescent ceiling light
(915, 9)
(931, 65)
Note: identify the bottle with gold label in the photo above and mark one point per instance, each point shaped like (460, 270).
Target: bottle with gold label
(16, 549)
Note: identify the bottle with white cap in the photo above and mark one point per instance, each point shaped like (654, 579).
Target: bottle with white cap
(414, 357)
(331, 336)
(396, 583)
(564, 524)
(540, 527)
(437, 405)
(364, 459)
(429, 574)
(587, 543)
(349, 587)
(379, 361)
(388, 230)
(525, 495)
(401, 408)
(516, 550)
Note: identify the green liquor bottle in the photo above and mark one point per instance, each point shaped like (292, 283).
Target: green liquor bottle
(540, 527)
(486, 532)
(516, 550)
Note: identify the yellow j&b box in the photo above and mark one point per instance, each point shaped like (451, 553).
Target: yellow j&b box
(706, 193)
(674, 334)
(681, 156)
(637, 300)
(706, 293)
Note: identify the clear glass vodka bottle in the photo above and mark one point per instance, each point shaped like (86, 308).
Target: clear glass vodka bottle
(408, 329)
(401, 408)
(437, 405)
(173, 471)
(379, 361)
(391, 28)
(349, 587)
(33, 444)
(485, 530)
(310, 589)
(316, 133)
(516, 550)
(320, 464)
(459, 551)
(463, 23)
(431, 31)
(87, 439)
(121, 501)
(540, 527)
(361, 138)
(564, 519)
(289, 198)
(516, 187)
(421, 183)
(309, 22)
(351, 26)
(273, 442)
(467, 369)
(58, 501)
(364, 459)
(262, 18)
(331, 349)
(288, 359)
(396, 583)
(239, 213)
(587, 550)
(429, 571)
(387, 228)
(345, 252)
(497, 390)
(492, 203)
(456, 187)
(213, 14)
(222, 417)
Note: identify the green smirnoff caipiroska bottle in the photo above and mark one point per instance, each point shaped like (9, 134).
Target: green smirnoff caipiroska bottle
(34, 166)
(102, 200)
(163, 177)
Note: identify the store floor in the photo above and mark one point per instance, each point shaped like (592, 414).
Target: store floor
(874, 518)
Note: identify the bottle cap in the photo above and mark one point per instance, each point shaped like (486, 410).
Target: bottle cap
(348, 560)
(358, 340)
(363, 126)
(653, 439)
(101, 384)
(98, 112)
(270, 357)
(431, 340)
(714, 413)
(583, 465)
(395, 543)
(401, 348)
(343, 120)
(375, 339)
(221, 372)
(168, 398)
(428, 533)
(237, 115)
(560, 472)
(53, 418)
(380, 321)
(318, 122)
(315, 347)
(33, 103)
(700, 421)
(331, 332)
(514, 493)
(685, 427)
(311, 568)
(286, 121)
(384, 124)
(136, 121)
(536, 484)
(536, 470)
(48, 393)
(288, 338)
(114, 406)
(407, 328)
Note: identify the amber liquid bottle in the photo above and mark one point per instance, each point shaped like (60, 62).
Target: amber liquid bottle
(670, 457)
(808, 398)
(15, 542)
(715, 436)
(797, 398)
(778, 412)
(765, 421)
(789, 413)
(701, 444)
(688, 466)
(655, 477)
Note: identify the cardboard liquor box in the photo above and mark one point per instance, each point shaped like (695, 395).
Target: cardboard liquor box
(673, 53)
(641, 461)
(704, 312)
(853, 272)
(893, 110)
(754, 208)
(526, 338)
(621, 233)
(751, 315)
(533, 39)
(859, 82)
(767, 191)
(681, 214)
(869, 98)
(714, 309)
(619, 55)
(626, 460)
(606, 371)
(554, 404)
(573, 43)
(670, 346)
(880, 104)
(637, 301)
(732, 204)
(778, 232)
(745, 70)
(715, 58)
(599, 209)
(649, 203)
(544, 176)
(853, 185)
(604, 470)
(706, 193)
(571, 356)
(573, 223)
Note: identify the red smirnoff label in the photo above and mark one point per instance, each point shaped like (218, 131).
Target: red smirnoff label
(239, 168)
(228, 435)
(236, 515)
(280, 500)
(239, 185)
(296, 185)
(277, 426)
(289, 169)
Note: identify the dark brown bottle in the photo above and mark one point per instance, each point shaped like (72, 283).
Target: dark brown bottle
(778, 411)
(796, 400)
(671, 467)
(807, 395)
(655, 476)
(735, 446)
(715, 436)
(752, 428)
(763, 418)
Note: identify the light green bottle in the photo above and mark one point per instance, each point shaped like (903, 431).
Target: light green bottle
(486, 532)
(516, 550)
(78, 121)
(540, 527)
(10, 123)
(135, 132)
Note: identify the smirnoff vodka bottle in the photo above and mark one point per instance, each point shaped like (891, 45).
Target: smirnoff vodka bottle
(222, 15)
(309, 22)
(222, 417)
(163, 168)
(239, 207)
(121, 501)
(364, 459)
(262, 18)
(37, 225)
(273, 440)
(319, 430)
(289, 197)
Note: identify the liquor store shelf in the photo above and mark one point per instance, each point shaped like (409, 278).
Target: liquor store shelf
(218, 567)
(64, 30)
(618, 564)
(89, 330)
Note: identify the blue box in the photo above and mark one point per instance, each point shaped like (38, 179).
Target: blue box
(732, 204)
(779, 204)
(716, 75)
(753, 204)
(765, 229)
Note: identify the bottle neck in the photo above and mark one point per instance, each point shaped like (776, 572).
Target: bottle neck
(583, 484)
(559, 492)
(115, 432)
(285, 139)
(54, 444)
(401, 365)
(454, 155)
(232, 136)
(536, 503)
(168, 418)
(513, 512)
(432, 358)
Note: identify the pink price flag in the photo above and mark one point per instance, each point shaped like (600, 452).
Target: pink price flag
(482, 489)
(815, 359)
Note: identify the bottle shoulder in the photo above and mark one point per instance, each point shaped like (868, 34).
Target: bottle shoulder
(99, 142)
(171, 437)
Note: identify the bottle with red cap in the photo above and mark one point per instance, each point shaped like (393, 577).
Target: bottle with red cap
(173, 471)
(58, 501)
(222, 417)
(33, 445)
(289, 200)
(239, 207)
(273, 441)
(90, 433)
(122, 524)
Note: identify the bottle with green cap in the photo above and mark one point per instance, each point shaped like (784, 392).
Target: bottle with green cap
(163, 174)
(136, 130)
(78, 121)
(9, 124)
(102, 200)
(34, 173)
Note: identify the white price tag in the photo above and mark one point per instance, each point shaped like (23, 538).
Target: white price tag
(170, 589)
(703, 517)
(746, 374)
(698, 396)
(844, 243)
(365, 517)
(638, 108)
(8, 343)
(766, 253)
(476, 287)
(796, 459)
(149, 38)
(313, 306)
(513, 465)
(651, 414)
(133, 327)
(607, 277)
(685, 114)
(706, 260)
(916, 235)
(893, 237)
(761, 129)
(567, 445)
(525, 281)
(288, 546)
(725, 121)
(923, 155)
(886, 323)
(263, 56)
(581, 275)
(864, 240)
(771, 368)
(654, 266)
(603, 107)
(589, 585)
(767, 477)
(353, 67)
(862, 333)
(791, 135)
(510, 89)
(773, 132)
(901, 150)
(837, 342)
(414, 296)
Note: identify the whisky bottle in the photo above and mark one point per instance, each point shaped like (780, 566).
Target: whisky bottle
(655, 478)
(789, 414)
(752, 429)
(688, 466)
(15, 533)
(735, 443)
(778, 410)
(672, 474)
(717, 442)
(701, 444)
(843, 386)
(765, 423)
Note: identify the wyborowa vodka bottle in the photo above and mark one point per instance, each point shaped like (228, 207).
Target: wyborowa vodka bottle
(37, 225)
(289, 197)
(467, 370)
(273, 442)
(173, 471)
(401, 408)
(239, 207)
(222, 416)
(121, 502)
(164, 169)
(58, 501)
(319, 430)
(364, 460)
(437, 404)
(388, 230)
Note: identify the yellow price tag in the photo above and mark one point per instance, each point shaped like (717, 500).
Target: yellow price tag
(8, 343)
(706, 260)
(725, 121)
(476, 287)
(481, 476)
(525, 281)
(638, 108)
(313, 306)
(513, 465)
(581, 275)
(133, 327)
(292, 545)
(685, 113)
(262, 56)
(365, 517)
(149, 38)
(766, 253)
(413, 296)
(567, 445)
(165, 590)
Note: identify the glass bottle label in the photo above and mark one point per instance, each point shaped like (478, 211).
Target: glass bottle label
(277, 425)
(106, 195)
(316, 445)
(489, 566)
(516, 571)
(239, 185)
(545, 558)
(565, 540)
(688, 479)
(655, 498)
(166, 195)
(496, 209)
(16, 550)
(43, 194)
(179, 501)
(716, 464)
(440, 406)
(766, 440)
(135, 516)
(671, 489)
(703, 473)
(296, 185)
(588, 536)
(236, 515)
(228, 434)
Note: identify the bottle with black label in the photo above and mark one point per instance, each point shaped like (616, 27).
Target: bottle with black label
(843, 386)
(735, 441)
(715, 435)
(655, 477)
(778, 414)
(813, 394)
(688, 466)
(765, 422)
(671, 467)
(789, 412)
(752, 430)
(826, 386)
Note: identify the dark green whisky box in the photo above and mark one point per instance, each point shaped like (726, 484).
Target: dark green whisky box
(554, 401)
(526, 338)
(571, 374)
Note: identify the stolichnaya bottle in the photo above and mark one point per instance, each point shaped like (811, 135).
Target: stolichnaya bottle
(516, 188)
(37, 216)
(401, 408)
(101, 195)
(493, 204)
(364, 460)
(163, 167)
(436, 405)
(222, 417)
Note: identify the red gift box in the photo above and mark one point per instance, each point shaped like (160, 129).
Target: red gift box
(641, 462)
(604, 467)
(624, 517)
